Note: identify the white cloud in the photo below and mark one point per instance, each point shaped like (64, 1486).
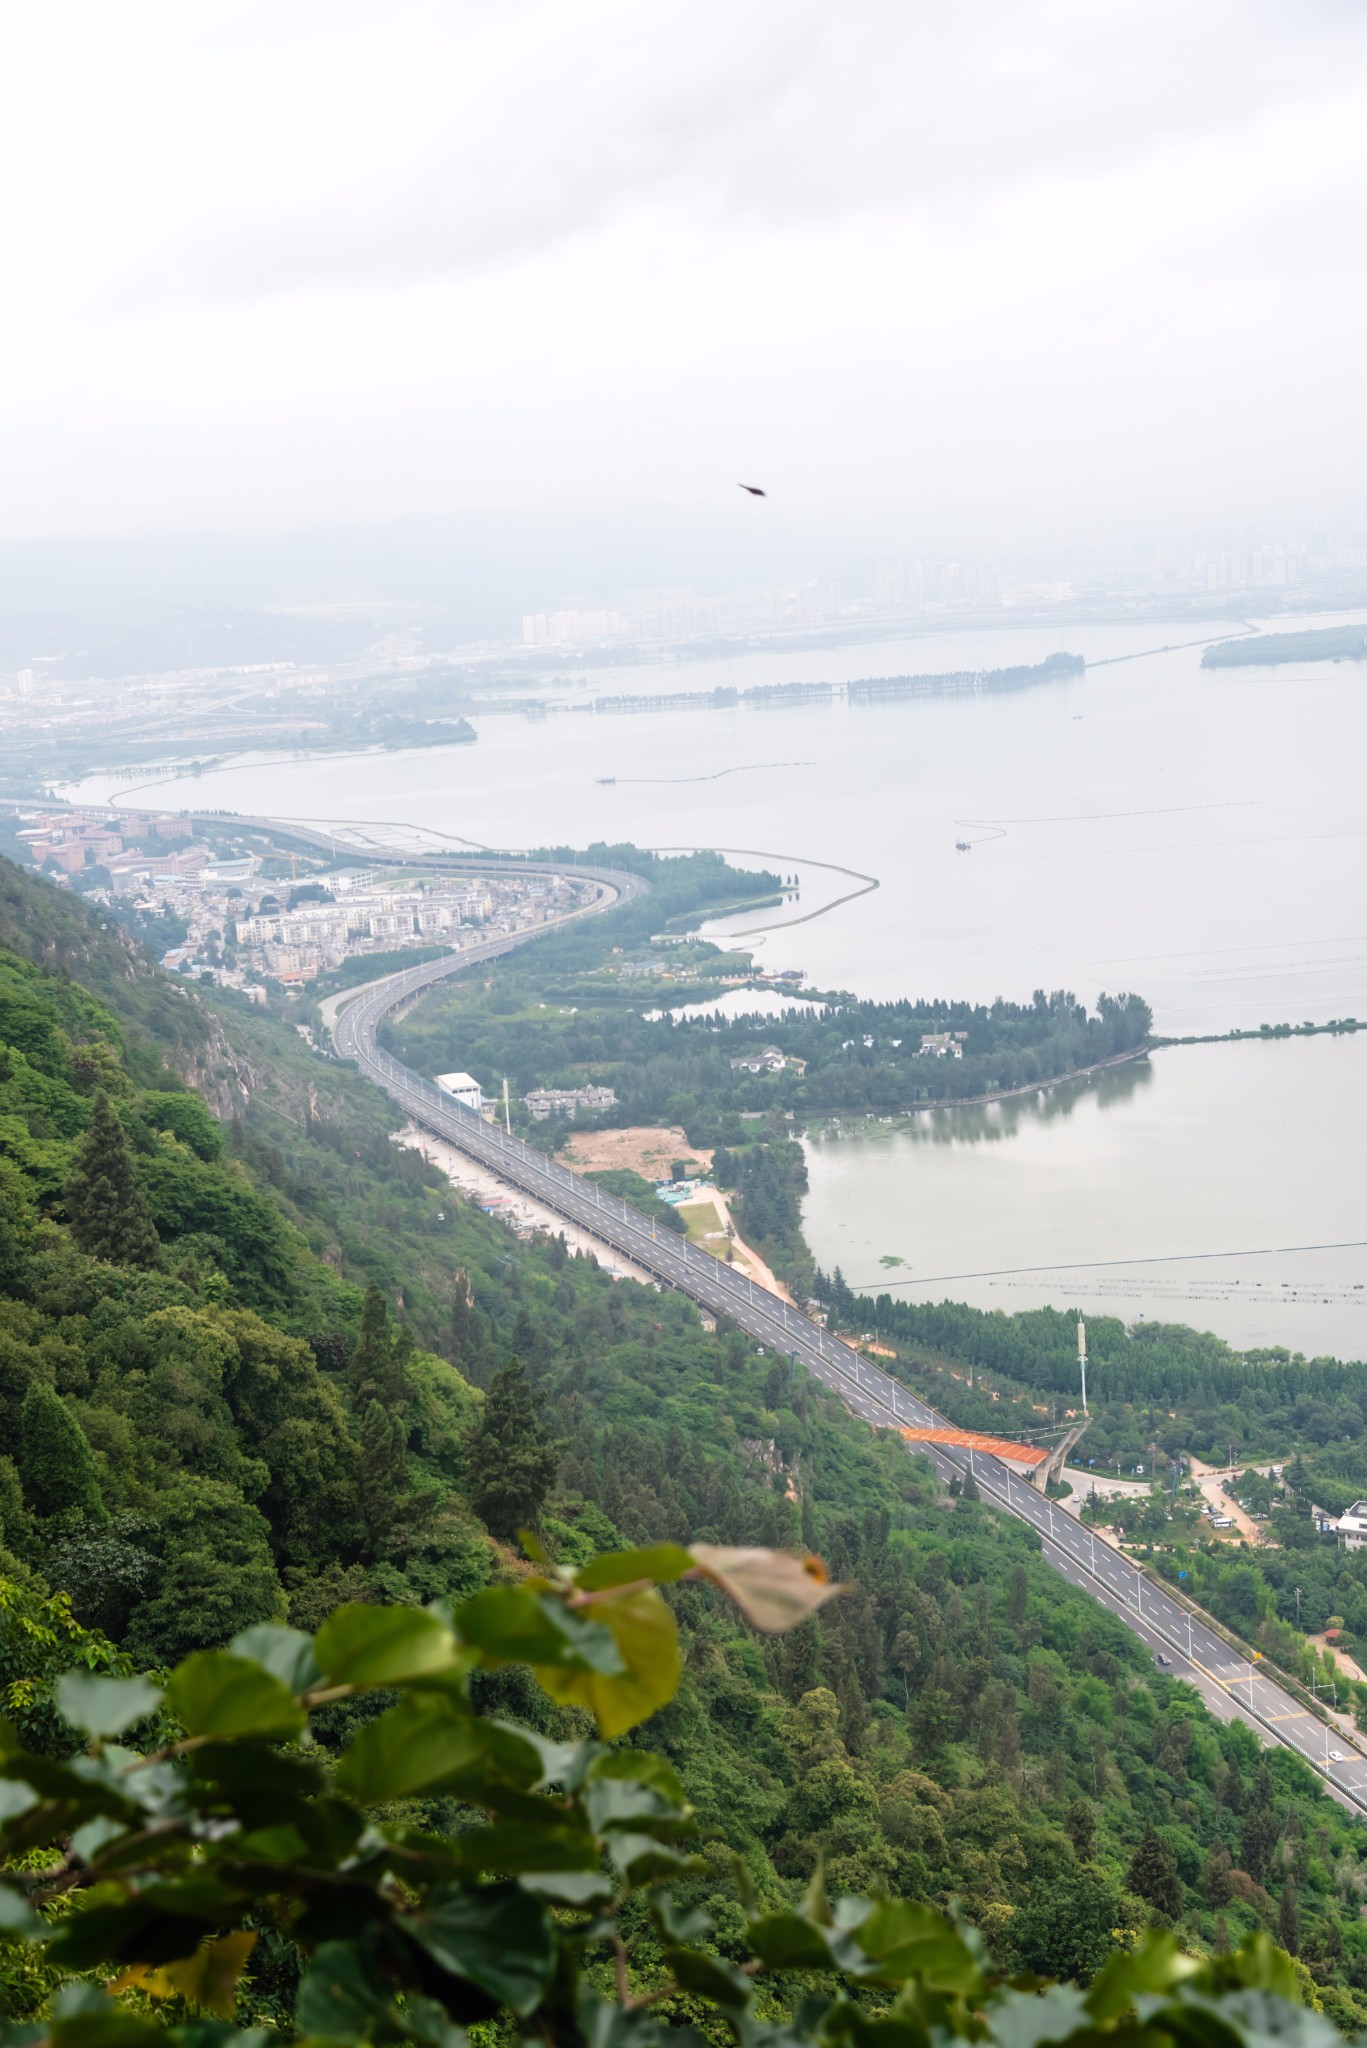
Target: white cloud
(1015, 260)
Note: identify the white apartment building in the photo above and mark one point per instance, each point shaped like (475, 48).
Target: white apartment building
(1351, 1528)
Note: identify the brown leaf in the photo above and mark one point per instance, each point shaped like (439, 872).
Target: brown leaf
(207, 1979)
(774, 1589)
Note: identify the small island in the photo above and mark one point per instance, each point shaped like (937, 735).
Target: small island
(1271, 650)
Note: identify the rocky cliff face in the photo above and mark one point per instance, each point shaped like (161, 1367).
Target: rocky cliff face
(217, 1071)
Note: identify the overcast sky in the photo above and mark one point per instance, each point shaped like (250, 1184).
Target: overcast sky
(1007, 268)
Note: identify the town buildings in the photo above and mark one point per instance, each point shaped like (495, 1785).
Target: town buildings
(545, 1102)
(246, 927)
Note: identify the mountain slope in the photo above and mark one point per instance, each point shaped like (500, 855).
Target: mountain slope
(233, 1430)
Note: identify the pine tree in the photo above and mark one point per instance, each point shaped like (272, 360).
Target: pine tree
(384, 1444)
(396, 1386)
(11, 1257)
(55, 1460)
(467, 1334)
(370, 1360)
(1079, 1824)
(109, 1215)
(1152, 1874)
(512, 1461)
(1018, 1596)
(1257, 1838)
(1215, 1881)
(1289, 1919)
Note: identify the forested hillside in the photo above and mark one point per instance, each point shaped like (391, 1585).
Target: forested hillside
(562, 1014)
(250, 1369)
(1154, 1383)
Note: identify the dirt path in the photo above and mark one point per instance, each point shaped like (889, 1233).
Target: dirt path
(744, 1259)
(1349, 1666)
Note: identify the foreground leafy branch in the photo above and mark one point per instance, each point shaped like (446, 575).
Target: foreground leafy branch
(143, 1877)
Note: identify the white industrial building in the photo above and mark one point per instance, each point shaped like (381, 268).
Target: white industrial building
(462, 1088)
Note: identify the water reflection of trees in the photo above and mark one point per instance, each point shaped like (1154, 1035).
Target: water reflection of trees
(986, 1123)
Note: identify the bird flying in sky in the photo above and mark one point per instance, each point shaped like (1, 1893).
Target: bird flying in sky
(753, 489)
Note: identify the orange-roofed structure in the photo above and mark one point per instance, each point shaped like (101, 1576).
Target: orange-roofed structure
(970, 1440)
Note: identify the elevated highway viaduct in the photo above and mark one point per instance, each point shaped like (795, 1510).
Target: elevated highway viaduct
(1172, 1629)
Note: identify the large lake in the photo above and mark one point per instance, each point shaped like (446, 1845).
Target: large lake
(1197, 835)
(1217, 1185)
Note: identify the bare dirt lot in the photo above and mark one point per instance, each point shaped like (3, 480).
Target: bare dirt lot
(646, 1149)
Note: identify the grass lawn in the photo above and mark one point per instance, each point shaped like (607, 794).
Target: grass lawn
(706, 1228)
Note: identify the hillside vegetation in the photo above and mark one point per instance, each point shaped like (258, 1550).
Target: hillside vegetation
(253, 1369)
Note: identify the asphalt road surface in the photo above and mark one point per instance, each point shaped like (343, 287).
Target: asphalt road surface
(1228, 1682)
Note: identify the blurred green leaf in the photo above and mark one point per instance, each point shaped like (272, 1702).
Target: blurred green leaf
(709, 1977)
(569, 1887)
(683, 1926)
(366, 1646)
(497, 1938)
(1024, 2019)
(287, 1653)
(661, 1563)
(1258, 2019)
(427, 2026)
(417, 1746)
(514, 1624)
(627, 1803)
(511, 1847)
(785, 1941)
(215, 1693)
(84, 2016)
(562, 1763)
(647, 1639)
(644, 1860)
(343, 1994)
(15, 1799)
(1156, 1966)
(97, 1834)
(18, 1921)
(905, 1940)
(255, 1784)
(101, 1707)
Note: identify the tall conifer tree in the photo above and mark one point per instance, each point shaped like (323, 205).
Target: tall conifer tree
(512, 1460)
(109, 1215)
(366, 1370)
(1153, 1876)
(55, 1459)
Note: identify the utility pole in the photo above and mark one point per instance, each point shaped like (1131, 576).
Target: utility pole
(507, 1113)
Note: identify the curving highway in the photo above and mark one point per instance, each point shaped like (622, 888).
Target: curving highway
(1180, 1636)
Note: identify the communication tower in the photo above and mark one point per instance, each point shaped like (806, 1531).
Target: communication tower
(1082, 1358)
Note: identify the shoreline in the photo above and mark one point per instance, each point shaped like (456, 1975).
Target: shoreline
(1337, 1027)
(1115, 1059)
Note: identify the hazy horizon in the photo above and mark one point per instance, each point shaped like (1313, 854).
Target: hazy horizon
(1011, 278)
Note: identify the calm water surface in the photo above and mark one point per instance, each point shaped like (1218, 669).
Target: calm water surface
(1109, 1195)
(1199, 836)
